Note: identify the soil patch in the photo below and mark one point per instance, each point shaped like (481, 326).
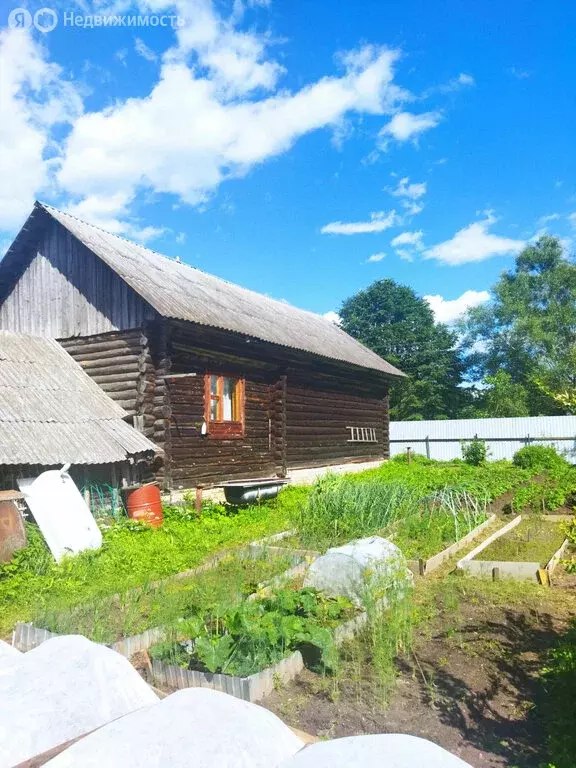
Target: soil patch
(471, 685)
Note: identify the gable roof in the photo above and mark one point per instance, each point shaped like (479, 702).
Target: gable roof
(176, 290)
(51, 412)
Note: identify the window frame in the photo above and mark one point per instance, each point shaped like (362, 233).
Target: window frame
(219, 428)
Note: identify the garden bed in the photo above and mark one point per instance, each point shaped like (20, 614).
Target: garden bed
(423, 567)
(525, 548)
(252, 637)
(135, 620)
(419, 566)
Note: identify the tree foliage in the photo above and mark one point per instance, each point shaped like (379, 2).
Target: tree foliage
(528, 330)
(399, 326)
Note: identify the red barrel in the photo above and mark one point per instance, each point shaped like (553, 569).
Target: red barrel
(144, 504)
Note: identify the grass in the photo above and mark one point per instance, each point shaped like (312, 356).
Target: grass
(532, 540)
(110, 618)
(132, 555)
(421, 524)
(559, 678)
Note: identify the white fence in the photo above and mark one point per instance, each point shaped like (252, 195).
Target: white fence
(443, 439)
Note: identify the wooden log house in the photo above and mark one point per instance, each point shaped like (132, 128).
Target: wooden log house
(229, 383)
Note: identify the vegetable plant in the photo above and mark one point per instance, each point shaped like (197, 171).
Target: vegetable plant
(258, 633)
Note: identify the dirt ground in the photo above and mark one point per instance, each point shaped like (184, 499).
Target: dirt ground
(471, 683)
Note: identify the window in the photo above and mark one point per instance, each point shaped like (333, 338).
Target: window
(224, 406)
(362, 435)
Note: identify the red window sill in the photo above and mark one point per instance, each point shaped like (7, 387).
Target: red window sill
(225, 431)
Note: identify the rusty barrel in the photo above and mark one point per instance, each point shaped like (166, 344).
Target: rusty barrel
(144, 504)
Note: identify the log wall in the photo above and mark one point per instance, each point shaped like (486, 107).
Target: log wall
(297, 409)
(118, 362)
(317, 421)
(123, 365)
(197, 458)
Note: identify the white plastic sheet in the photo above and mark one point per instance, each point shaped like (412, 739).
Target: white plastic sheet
(66, 687)
(356, 567)
(192, 728)
(61, 513)
(392, 750)
(10, 658)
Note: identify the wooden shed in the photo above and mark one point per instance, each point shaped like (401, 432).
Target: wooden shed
(230, 383)
(52, 413)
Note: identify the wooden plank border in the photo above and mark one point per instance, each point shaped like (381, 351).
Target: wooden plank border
(424, 567)
(514, 569)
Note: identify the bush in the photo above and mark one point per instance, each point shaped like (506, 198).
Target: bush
(538, 458)
(474, 452)
(560, 682)
(415, 458)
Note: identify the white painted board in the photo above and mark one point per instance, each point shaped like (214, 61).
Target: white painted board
(61, 513)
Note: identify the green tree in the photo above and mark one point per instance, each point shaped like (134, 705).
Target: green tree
(399, 326)
(503, 398)
(528, 330)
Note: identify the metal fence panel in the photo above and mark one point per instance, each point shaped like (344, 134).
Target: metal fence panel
(443, 439)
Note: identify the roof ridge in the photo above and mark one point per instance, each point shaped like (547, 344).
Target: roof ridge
(178, 260)
(49, 208)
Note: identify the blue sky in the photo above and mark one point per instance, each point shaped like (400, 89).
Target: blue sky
(302, 149)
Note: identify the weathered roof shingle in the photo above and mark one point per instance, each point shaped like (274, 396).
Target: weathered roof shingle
(176, 290)
(51, 412)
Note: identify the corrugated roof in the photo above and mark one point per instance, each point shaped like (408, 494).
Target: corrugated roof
(51, 412)
(179, 291)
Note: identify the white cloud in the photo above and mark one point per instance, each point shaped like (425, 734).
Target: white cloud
(473, 243)
(572, 218)
(236, 60)
(406, 125)
(543, 220)
(411, 191)
(447, 311)
(464, 79)
(185, 137)
(520, 74)
(412, 239)
(412, 209)
(181, 238)
(142, 50)
(408, 245)
(333, 317)
(454, 84)
(110, 212)
(379, 221)
(33, 99)
(376, 257)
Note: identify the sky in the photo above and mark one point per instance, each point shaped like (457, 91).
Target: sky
(301, 149)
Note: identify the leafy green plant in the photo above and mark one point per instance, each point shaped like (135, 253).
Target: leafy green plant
(559, 677)
(474, 452)
(258, 633)
(420, 522)
(107, 618)
(414, 458)
(538, 458)
(132, 555)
